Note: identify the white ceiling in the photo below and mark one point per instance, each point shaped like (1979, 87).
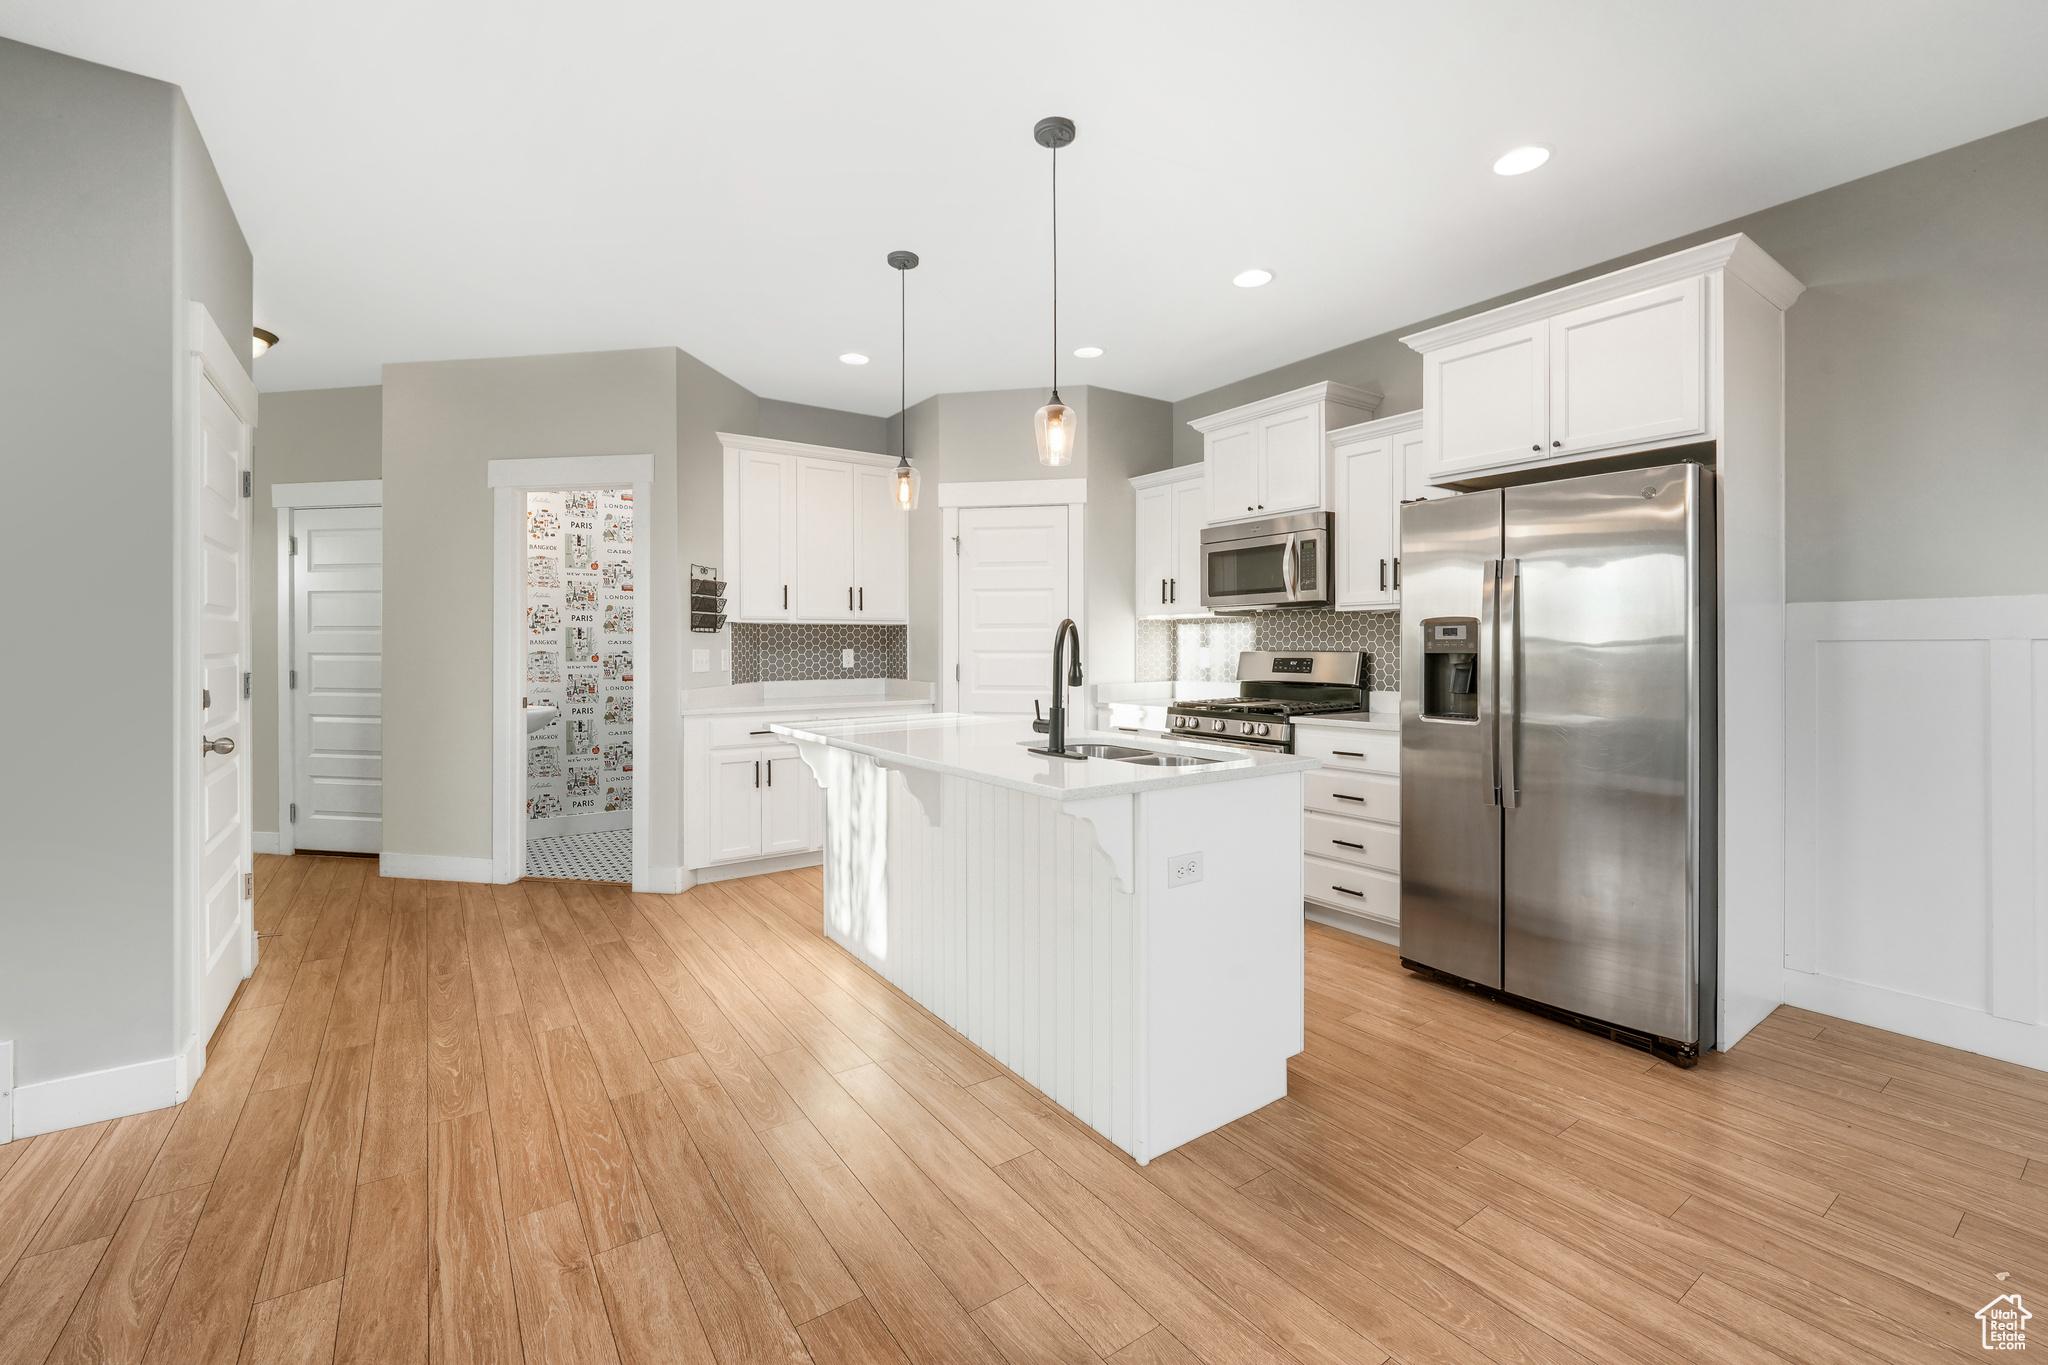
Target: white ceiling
(431, 179)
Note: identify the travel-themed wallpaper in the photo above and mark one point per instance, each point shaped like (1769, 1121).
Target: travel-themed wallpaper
(579, 656)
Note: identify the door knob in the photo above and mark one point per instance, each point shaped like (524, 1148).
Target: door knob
(216, 746)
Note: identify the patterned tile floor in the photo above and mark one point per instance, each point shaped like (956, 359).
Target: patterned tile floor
(606, 856)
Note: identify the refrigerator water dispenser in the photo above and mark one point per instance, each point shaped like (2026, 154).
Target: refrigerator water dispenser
(1450, 668)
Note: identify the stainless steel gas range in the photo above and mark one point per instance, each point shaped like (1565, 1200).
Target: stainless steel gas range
(1272, 689)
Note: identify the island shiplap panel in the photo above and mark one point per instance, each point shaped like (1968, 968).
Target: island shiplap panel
(1001, 914)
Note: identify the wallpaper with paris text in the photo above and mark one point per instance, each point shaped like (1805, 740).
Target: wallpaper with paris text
(579, 652)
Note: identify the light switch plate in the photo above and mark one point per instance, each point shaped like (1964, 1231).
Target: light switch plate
(846, 658)
(1183, 869)
(700, 661)
(725, 660)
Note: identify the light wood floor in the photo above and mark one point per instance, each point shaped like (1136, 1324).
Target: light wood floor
(565, 1123)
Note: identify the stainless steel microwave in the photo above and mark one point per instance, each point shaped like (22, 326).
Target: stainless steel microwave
(1278, 562)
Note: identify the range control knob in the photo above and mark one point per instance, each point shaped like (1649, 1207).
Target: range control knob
(1215, 725)
(1263, 728)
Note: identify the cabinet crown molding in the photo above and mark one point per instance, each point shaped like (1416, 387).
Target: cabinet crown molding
(1737, 256)
(1179, 473)
(774, 447)
(1329, 391)
(1393, 424)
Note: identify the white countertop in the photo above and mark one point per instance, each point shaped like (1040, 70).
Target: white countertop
(839, 694)
(996, 749)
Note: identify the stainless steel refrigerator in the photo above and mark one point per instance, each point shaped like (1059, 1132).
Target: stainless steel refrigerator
(1558, 750)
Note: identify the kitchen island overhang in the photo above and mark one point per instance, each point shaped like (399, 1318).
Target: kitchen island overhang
(1041, 907)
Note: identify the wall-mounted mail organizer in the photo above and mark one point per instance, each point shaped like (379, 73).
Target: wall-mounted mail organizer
(707, 600)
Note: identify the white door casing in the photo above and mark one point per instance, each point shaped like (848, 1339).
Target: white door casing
(337, 663)
(1013, 593)
(212, 908)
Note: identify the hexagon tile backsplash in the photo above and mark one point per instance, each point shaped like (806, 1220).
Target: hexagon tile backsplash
(779, 653)
(1206, 649)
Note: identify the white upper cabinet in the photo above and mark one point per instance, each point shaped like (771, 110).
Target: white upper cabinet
(1269, 458)
(1626, 362)
(1629, 369)
(824, 541)
(764, 498)
(1488, 400)
(1368, 464)
(813, 534)
(882, 541)
(1411, 455)
(1173, 506)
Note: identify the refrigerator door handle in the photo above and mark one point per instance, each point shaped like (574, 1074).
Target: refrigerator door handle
(1489, 652)
(1510, 682)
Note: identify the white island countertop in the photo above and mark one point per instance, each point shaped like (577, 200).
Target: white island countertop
(997, 750)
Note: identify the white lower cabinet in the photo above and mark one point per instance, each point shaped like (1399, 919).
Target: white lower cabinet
(747, 794)
(1351, 827)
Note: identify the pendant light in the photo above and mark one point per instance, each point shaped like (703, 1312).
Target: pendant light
(1056, 424)
(906, 477)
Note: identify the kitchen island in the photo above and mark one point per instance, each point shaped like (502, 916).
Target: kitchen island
(1125, 936)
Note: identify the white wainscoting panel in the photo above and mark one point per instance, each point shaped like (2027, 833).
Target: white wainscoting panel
(1916, 791)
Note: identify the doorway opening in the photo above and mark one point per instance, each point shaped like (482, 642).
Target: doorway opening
(578, 698)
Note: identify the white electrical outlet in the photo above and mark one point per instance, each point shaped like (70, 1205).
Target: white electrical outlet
(846, 658)
(725, 660)
(700, 661)
(1184, 869)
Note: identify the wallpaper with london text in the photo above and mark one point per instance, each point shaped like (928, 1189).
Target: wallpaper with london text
(579, 653)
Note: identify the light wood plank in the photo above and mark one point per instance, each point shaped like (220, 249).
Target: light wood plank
(309, 1245)
(296, 1329)
(112, 1322)
(661, 1035)
(652, 1318)
(36, 1182)
(540, 986)
(37, 1298)
(474, 1320)
(601, 1167)
(359, 991)
(620, 1060)
(383, 1315)
(295, 1045)
(98, 1197)
(455, 1073)
(852, 1335)
(531, 1173)
(1026, 1330)
(562, 1317)
(395, 1114)
(490, 961)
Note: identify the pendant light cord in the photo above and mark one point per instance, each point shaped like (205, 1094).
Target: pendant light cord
(1055, 273)
(902, 365)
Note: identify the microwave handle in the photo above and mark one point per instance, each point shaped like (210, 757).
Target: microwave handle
(1290, 564)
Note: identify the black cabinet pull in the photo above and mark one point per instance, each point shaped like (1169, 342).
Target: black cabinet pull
(771, 772)
(849, 599)
(863, 599)
(1347, 891)
(760, 732)
(1557, 443)
(1334, 753)
(1383, 575)
(1173, 590)
(1162, 590)
(785, 597)
(1537, 446)
(1397, 573)
(757, 772)
(1342, 797)
(1346, 843)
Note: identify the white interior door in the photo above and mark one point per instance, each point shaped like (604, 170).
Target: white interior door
(337, 687)
(1013, 594)
(227, 926)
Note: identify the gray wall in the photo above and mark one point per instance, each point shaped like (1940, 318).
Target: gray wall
(987, 436)
(443, 423)
(306, 436)
(782, 421)
(1916, 420)
(112, 218)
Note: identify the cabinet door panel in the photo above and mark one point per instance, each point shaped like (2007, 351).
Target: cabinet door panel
(824, 541)
(882, 543)
(1629, 369)
(1365, 550)
(788, 795)
(1155, 550)
(1291, 462)
(1190, 515)
(1485, 401)
(760, 561)
(1232, 455)
(1411, 461)
(734, 818)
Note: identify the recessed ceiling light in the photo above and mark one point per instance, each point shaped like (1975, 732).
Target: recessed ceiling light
(263, 342)
(1521, 159)
(853, 358)
(1087, 352)
(1252, 279)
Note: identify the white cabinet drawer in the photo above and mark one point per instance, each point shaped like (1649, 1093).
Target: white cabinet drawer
(1376, 751)
(1367, 843)
(742, 731)
(1360, 890)
(1368, 796)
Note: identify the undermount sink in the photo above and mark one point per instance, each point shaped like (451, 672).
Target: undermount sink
(1168, 760)
(540, 717)
(1117, 751)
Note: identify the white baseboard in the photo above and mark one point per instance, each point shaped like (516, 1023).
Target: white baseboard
(6, 1092)
(1931, 1020)
(754, 867)
(117, 1092)
(434, 867)
(667, 880)
(1380, 931)
(266, 841)
(593, 823)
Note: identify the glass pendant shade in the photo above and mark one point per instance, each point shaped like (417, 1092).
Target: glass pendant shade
(1056, 424)
(906, 487)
